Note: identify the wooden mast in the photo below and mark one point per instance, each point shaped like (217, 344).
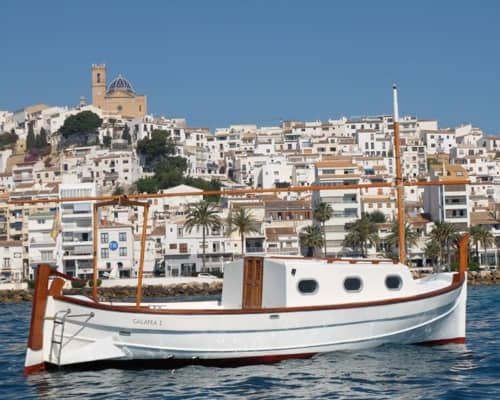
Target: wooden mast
(399, 180)
(95, 273)
(121, 200)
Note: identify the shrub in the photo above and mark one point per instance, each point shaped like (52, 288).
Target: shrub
(473, 266)
(78, 284)
(91, 282)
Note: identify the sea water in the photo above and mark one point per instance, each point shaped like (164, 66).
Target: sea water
(470, 371)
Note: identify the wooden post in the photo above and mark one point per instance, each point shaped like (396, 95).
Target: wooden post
(141, 257)
(35, 338)
(94, 245)
(399, 181)
(463, 247)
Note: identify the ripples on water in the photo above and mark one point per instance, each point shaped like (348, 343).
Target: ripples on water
(388, 372)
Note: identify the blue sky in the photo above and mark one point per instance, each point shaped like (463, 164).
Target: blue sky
(228, 62)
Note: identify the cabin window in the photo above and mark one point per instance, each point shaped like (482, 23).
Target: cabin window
(352, 284)
(308, 286)
(393, 282)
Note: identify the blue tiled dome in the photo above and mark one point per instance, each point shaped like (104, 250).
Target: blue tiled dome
(120, 84)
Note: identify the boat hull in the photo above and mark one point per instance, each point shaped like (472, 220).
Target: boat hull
(93, 333)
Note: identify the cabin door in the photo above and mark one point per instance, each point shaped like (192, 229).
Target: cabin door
(252, 282)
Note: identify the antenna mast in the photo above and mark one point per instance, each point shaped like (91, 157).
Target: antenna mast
(399, 179)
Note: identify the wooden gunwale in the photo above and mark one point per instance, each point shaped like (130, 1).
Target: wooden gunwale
(146, 310)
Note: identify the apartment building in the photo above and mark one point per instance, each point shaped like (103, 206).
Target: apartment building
(344, 203)
(42, 239)
(76, 228)
(448, 203)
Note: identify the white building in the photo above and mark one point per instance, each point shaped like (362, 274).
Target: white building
(439, 141)
(448, 203)
(76, 229)
(115, 254)
(344, 203)
(11, 260)
(42, 245)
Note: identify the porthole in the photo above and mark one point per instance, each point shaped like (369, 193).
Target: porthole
(393, 282)
(307, 286)
(352, 284)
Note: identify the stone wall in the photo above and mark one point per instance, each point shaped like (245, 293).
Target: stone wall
(196, 289)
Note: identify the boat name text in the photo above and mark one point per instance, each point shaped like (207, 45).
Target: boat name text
(147, 322)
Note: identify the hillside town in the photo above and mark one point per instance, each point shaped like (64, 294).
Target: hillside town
(113, 146)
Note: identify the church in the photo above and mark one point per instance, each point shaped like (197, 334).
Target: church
(118, 97)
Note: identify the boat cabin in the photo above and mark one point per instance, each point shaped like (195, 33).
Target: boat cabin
(265, 282)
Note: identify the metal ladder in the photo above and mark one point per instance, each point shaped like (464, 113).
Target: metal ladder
(59, 320)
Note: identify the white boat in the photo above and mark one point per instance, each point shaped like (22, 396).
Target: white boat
(271, 308)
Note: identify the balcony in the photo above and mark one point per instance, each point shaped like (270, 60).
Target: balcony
(37, 261)
(77, 239)
(344, 215)
(111, 176)
(78, 226)
(284, 252)
(254, 249)
(42, 241)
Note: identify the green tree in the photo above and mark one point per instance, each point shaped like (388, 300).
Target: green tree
(323, 213)
(126, 134)
(148, 184)
(83, 123)
(312, 238)
(106, 141)
(212, 185)
(487, 239)
(361, 233)
(432, 251)
(118, 191)
(204, 215)
(411, 236)
(475, 237)
(41, 139)
(156, 148)
(446, 235)
(30, 138)
(244, 223)
(7, 138)
(377, 217)
(169, 171)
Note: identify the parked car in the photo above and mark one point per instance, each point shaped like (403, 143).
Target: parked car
(206, 275)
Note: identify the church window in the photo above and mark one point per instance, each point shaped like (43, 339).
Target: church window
(140, 108)
(119, 108)
(98, 77)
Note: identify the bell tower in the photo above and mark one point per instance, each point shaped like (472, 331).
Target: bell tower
(98, 84)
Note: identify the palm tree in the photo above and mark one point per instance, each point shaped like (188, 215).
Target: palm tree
(445, 234)
(411, 236)
(432, 250)
(243, 222)
(202, 214)
(311, 237)
(475, 236)
(487, 239)
(362, 232)
(322, 214)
